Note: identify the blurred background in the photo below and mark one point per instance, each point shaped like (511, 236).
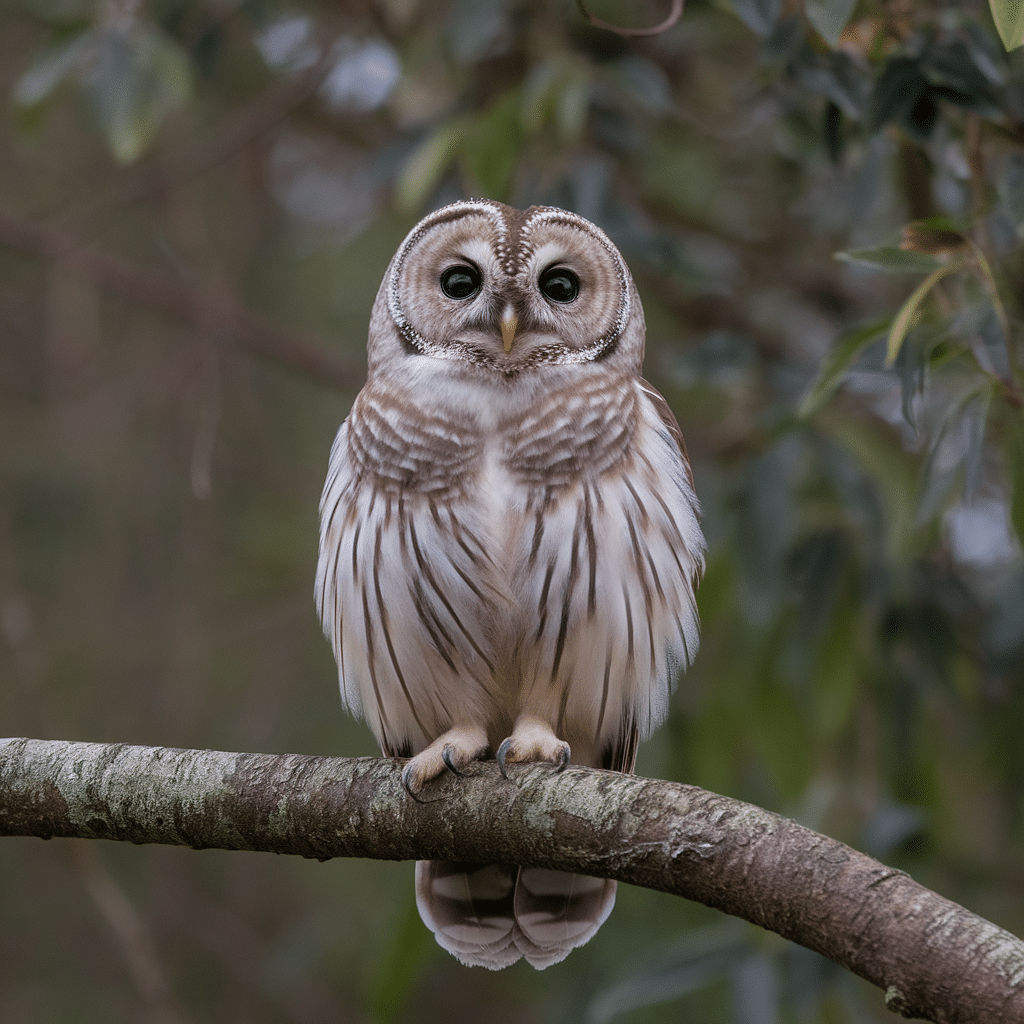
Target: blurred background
(197, 203)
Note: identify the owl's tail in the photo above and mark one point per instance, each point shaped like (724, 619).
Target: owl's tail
(490, 915)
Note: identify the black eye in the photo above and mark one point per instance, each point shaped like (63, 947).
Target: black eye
(559, 284)
(460, 282)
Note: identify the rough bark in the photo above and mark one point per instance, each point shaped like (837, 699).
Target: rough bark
(935, 960)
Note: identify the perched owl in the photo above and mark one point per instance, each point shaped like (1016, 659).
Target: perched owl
(509, 539)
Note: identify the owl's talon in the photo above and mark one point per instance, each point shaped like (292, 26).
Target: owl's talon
(533, 741)
(446, 756)
(452, 751)
(407, 783)
(503, 750)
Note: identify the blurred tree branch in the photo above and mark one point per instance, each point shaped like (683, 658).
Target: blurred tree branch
(935, 960)
(161, 174)
(663, 26)
(212, 316)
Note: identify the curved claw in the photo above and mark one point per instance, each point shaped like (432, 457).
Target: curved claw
(502, 754)
(446, 756)
(405, 783)
(564, 753)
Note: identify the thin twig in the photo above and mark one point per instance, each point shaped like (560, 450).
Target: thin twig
(664, 26)
(976, 163)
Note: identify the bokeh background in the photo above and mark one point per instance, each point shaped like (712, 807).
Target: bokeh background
(197, 203)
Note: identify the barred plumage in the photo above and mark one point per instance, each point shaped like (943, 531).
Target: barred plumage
(509, 544)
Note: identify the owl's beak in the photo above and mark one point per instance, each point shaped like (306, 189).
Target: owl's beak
(509, 320)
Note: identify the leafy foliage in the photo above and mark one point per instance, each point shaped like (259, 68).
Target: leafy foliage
(855, 425)
(1009, 18)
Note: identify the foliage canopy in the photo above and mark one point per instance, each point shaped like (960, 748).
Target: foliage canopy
(823, 206)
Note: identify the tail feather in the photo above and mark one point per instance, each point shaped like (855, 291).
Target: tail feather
(469, 909)
(556, 912)
(489, 915)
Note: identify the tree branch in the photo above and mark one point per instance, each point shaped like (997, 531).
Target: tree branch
(663, 26)
(935, 960)
(228, 322)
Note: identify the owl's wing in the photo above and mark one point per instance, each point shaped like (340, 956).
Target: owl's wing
(556, 911)
(406, 588)
(669, 421)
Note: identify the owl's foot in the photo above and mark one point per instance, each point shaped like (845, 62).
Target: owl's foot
(532, 739)
(451, 751)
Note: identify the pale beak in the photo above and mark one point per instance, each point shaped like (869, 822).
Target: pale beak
(509, 320)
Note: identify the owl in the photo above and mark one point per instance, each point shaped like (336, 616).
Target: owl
(509, 540)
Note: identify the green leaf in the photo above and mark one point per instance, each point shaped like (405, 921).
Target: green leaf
(844, 83)
(843, 355)
(644, 82)
(491, 147)
(49, 71)
(1014, 455)
(424, 169)
(892, 472)
(556, 91)
(950, 67)
(1009, 18)
(834, 75)
(975, 456)
(573, 104)
(896, 91)
(908, 314)
(956, 453)
(540, 94)
(135, 79)
(890, 260)
(829, 17)
(989, 281)
(758, 15)
(132, 79)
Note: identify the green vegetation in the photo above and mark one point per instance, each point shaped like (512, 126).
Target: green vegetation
(854, 423)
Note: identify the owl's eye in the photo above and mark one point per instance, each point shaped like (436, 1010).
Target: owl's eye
(460, 282)
(559, 284)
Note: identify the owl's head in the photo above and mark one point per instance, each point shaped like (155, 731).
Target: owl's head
(505, 291)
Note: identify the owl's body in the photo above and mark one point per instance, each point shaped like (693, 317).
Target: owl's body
(509, 539)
